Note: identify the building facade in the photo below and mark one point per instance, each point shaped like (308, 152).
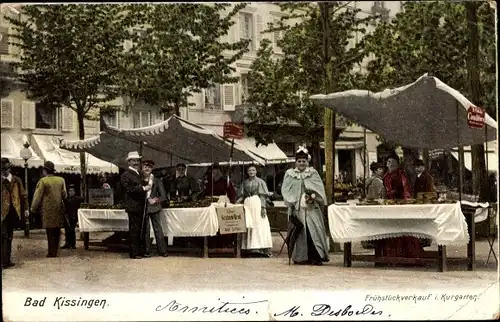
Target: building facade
(211, 108)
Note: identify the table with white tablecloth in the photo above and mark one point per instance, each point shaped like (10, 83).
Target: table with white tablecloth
(175, 222)
(443, 223)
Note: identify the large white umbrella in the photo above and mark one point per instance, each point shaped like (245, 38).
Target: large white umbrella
(424, 114)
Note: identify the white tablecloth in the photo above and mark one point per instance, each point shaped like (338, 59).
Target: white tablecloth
(176, 222)
(444, 223)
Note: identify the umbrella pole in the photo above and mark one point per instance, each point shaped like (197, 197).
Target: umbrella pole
(460, 158)
(365, 161)
(230, 164)
(211, 179)
(486, 153)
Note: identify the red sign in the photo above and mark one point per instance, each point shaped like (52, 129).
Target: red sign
(475, 117)
(233, 131)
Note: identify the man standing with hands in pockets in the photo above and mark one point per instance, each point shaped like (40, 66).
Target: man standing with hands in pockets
(135, 203)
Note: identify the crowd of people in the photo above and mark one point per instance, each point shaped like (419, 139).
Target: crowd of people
(144, 196)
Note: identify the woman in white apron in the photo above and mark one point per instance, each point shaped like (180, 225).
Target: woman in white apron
(253, 194)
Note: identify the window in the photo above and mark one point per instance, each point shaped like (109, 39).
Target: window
(247, 29)
(379, 8)
(246, 87)
(287, 147)
(111, 118)
(278, 35)
(47, 116)
(213, 99)
(142, 119)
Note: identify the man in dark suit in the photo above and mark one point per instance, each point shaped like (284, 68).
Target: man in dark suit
(135, 202)
(14, 206)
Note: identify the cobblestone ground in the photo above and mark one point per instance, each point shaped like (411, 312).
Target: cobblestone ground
(100, 270)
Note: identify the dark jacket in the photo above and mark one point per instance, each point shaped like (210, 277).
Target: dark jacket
(424, 183)
(134, 194)
(158, 191)
(184, 187)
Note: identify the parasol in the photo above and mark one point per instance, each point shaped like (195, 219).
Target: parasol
(292, 235)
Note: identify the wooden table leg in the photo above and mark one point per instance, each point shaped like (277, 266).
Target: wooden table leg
(471, 246)
(205, 247)
(238, 246)
(347, 254)
(86, 240)
(442, 259)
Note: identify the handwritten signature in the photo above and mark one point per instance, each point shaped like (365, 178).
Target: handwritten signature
(243, 308)
(328, 310)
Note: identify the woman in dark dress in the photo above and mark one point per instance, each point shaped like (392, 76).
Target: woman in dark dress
(398, 187)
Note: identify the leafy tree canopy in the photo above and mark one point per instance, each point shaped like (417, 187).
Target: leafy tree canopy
(432, 37)
(181, 49)
(281, 86)
(71, 54)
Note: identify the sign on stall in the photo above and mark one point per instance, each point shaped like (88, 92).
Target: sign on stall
(101, 197)
(231, 220)
(233, 131)
(475, 117)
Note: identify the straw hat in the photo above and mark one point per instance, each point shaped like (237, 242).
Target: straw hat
(133, 155)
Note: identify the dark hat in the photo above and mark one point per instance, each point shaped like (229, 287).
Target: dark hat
(148, 163)
(181, 165)
(49, 166)
(376, 165)
(394, 156)
(216, 166)
(419, 163)
(6, 164)
(72, 186)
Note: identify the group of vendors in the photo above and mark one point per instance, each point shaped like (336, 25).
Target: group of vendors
(302, 190)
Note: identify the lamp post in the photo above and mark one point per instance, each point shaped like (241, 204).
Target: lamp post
(26, 154)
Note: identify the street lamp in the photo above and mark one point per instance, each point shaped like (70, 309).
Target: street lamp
(26, 154)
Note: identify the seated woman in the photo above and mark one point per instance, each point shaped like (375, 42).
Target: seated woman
(304, 194)
(254, 194)
(397, 187)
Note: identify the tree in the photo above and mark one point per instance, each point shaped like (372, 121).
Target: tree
(72, 56)
(180, 50)
(432, 37)
(313, 61)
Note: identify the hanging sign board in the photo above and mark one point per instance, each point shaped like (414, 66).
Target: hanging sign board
(475, 117)
(233, 131)
(101, 197)
(231, 220)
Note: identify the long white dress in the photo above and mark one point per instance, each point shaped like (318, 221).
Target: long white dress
(253, 192)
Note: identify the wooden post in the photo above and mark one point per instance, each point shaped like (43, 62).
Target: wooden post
(347, 254)
(442, 265)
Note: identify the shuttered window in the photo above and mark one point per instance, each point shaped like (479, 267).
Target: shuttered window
(7, 113)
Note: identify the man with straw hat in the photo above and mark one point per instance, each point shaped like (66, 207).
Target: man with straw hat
(135, 204)
(49, 195)
(14, 202)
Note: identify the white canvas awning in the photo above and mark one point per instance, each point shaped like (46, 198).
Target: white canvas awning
(12, 145)
(271, 153)
(66, 161)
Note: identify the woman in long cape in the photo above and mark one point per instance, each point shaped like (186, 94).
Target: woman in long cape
(304, 194)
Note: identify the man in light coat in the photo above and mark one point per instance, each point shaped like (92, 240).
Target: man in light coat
(49, 195)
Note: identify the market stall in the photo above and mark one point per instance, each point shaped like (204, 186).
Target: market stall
(425, 114)
(202, 222)
(173, 141)
(444, 223)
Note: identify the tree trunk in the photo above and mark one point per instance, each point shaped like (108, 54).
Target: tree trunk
(329, 158)
(479, 173)
(83, 165)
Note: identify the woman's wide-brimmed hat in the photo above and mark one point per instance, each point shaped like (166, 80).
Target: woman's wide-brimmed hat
(133, 155)
(6, 164)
